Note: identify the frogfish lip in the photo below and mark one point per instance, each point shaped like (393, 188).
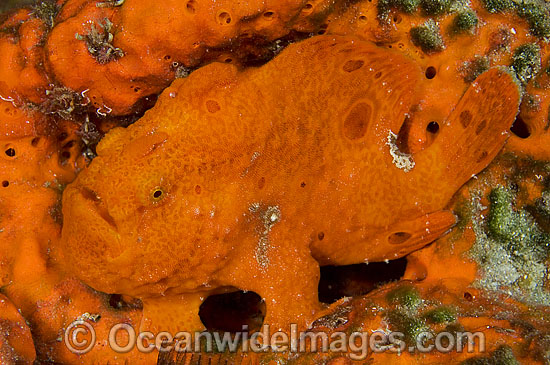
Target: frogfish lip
(93, 201)
(86, 215)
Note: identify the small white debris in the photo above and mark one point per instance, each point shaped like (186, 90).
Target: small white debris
(403, 161)
(89, 317)
(268, 216)
(102, 113)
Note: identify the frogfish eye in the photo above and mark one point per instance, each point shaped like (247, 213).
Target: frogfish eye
(157, 194)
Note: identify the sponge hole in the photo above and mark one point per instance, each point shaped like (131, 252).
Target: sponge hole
(231, 311)
(224, 18)
(432, 127)
(191, 7)
(430, 72)
(308, 8)
(269, 15)
(10, 152)
(520, 128)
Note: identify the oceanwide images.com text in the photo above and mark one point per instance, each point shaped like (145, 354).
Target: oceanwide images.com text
(80, 338)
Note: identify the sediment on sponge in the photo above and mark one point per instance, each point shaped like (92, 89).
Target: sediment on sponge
(428, 37)
(46, 11)
(543, 203)
(409, 325)
(503, 355)
(406, 296)
(464, 21)
(526, 62)
(410, 314)
(405, 6)
(472, 69)
(537, 15)
(497, 6)
(441, 315)
(511, 250)
(515, 227)
(535, 12)
(435, 7)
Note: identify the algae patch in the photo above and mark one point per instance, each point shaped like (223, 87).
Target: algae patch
(503, 355)
(526, 62)
(535, 12)
(465, 21)
(511, 250)
(416, 318)
(428, 37)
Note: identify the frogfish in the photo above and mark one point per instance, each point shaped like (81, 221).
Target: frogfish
(252, 179)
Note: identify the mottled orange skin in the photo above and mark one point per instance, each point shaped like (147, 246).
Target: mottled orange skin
(257, 192)
(31, 180)
(28, 205)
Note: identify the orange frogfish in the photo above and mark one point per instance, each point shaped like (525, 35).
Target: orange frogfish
(253, 179)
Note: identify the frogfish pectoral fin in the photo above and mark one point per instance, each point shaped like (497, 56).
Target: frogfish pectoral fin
(475, 131)
(392, 242)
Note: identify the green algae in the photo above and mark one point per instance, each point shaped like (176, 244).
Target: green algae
(511, 250)
(406, 296)
(441, 314)
(526, 62)
(428, 37)
(405, 6)
(464, 21)
(472, 69)
(497, 6)
(435, 7)
(535, 12)
(537, 15)
(411, 326)
(503, 355)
